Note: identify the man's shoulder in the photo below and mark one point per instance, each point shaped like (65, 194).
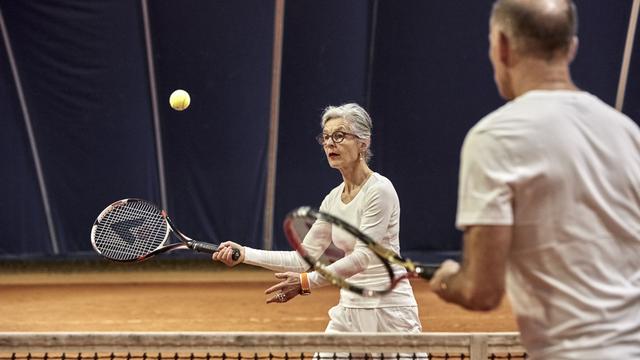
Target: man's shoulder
(526, 111)
(499, 118)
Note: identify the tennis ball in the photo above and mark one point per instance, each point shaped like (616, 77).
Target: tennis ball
(179, 100)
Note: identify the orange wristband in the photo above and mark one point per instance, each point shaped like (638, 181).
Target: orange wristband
(305, 288)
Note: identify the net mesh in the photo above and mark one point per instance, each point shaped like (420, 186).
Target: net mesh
(129, 230)
(286, 346)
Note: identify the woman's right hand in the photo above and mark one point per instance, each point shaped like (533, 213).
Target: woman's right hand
(225, 253)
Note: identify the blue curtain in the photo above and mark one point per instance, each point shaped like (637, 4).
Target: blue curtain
(419, 67)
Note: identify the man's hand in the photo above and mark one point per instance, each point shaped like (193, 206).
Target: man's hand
(447, 269)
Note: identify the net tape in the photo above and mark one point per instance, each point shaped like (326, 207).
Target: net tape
(287, 346)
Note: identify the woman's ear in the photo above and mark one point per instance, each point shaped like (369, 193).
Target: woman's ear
(364, 144)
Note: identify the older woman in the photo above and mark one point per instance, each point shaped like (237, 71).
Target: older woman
(365, 199)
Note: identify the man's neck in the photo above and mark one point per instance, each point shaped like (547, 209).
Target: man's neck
(537, 74)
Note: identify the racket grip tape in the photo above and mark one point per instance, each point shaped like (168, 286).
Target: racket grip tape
(205, 247)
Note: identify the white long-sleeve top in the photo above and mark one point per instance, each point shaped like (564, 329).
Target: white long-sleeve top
(375, 210)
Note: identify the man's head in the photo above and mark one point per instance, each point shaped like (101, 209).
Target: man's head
(541, 30)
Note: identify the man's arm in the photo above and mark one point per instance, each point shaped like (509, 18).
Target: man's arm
(479, 283)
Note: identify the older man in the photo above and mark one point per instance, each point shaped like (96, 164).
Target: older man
(549, 197)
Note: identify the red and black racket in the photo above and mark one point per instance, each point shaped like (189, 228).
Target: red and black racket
(299, 221)
(133, 230)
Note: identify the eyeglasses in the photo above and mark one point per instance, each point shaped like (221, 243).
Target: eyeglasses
(337, 137)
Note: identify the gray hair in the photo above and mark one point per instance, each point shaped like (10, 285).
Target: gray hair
(539, 28)
(358, 120)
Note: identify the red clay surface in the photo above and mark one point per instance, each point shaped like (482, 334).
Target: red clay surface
(195, 301)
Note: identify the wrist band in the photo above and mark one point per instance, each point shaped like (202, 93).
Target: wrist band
(305, 288)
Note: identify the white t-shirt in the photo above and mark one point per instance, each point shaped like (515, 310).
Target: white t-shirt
(562, 168)
(375, 210)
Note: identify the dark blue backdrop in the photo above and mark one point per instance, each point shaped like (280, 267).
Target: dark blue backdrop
(325, 62)
(215, 152)
(420, 67)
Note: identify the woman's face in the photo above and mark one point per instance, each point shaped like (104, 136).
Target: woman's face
(344, 153)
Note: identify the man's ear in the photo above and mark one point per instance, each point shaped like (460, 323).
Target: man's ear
(573, 49)
(504, 49)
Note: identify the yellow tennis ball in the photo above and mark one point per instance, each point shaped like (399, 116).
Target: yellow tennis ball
(179, 100)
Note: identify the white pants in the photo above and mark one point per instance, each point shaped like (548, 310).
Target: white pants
(401, 319)
(387, 319)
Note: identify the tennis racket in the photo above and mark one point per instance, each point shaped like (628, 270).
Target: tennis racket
(298, 222)
(134, 230)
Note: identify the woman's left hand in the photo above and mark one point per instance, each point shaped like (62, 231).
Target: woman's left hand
(285, 290)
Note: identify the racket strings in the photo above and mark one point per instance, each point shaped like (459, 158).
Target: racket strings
(130, 231)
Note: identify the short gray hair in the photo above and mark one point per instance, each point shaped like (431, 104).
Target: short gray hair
(539, 28)
(358, 120)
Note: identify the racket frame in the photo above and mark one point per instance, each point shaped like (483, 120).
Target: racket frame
(185, 241)
(386, 255)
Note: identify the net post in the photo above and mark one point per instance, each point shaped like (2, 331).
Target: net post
(478, 347)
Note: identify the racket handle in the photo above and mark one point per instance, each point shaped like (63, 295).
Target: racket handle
(209, 248)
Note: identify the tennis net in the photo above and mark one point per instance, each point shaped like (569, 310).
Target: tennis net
(257, 346)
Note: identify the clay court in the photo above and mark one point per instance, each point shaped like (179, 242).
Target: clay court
(139, 299)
